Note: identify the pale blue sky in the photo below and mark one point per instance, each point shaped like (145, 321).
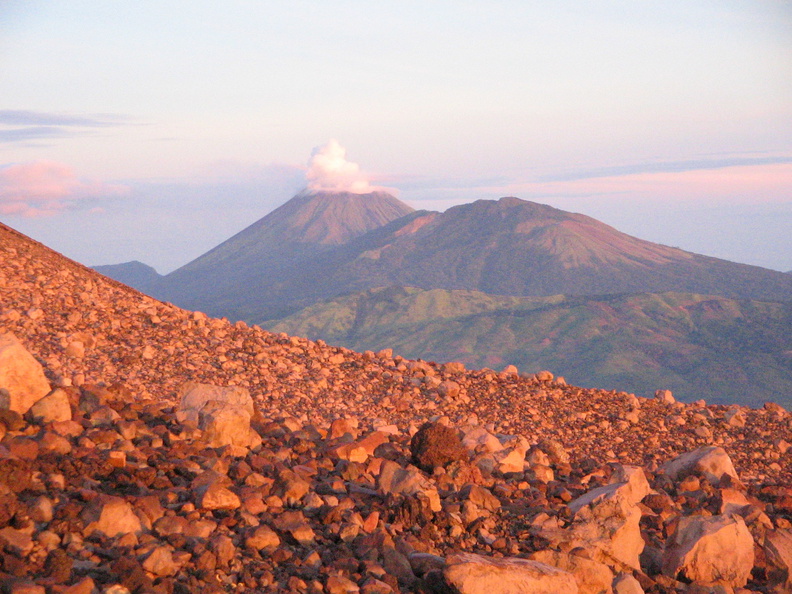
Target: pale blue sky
(168, 126)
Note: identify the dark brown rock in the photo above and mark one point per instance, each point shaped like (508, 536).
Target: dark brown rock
(436, 445)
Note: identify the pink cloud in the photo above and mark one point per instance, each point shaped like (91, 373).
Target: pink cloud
(742, 184)
(43, 188)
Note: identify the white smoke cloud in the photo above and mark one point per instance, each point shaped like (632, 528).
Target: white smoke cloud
(329, 171)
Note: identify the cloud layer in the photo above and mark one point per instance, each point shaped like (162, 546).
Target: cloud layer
(19, 125)
(44, 188)
(329, 171)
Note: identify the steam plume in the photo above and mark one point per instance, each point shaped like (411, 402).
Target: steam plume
(329, 171)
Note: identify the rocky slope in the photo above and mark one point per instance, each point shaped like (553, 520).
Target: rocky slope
(307, 473)
(699, 346)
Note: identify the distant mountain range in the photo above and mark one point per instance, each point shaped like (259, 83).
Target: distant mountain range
(332, 252)
(319, 246)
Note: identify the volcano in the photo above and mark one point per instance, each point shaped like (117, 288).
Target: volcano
(225, 279)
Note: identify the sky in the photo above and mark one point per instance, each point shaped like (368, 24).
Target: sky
(154, 130)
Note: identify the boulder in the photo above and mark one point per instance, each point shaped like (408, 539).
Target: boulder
(22, 380)
(54, 406)
(474, 574)
(407, 481)
(711, 461)
(778, 552)
(478, 436)
(607, 520)
(710, 550)
(436, 444)
(225, 424)
(512, 458)
(194, 396)
(628, 489)
(222, 413)
(592, 577)
(554, 450)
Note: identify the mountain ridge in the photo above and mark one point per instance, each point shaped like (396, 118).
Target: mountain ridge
(504, 247)
(699, 346)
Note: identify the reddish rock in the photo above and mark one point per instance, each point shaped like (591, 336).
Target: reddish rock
(711, 550)
(110, 516)
(475, 574)
(436, 445)
(55, 406)
(22, 380)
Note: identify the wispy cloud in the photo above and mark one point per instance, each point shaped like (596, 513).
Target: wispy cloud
(22, 117)
(17, 125)
(666, 167)
(43, 188)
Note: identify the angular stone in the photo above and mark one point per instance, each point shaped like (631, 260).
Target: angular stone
(84, 586)
(160, 562)
(194, 396)
(54, 406)
(225, 424)
(474, 574)
(341, 585)
(263, 538)
(592, 577)
(711, 461)
(778, 552)
(295, 524)
(716, 549)
(479, 436)
(554, 450)
(448, 389)
(512, 459)
(22, 380)
(625, 583)
(402, 481)
(16, 541)
(216, 496)
(341, 427)
(111, 516)
(291, 487)
(629, 488)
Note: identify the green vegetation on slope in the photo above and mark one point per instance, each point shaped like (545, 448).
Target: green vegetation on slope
(719, 349)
